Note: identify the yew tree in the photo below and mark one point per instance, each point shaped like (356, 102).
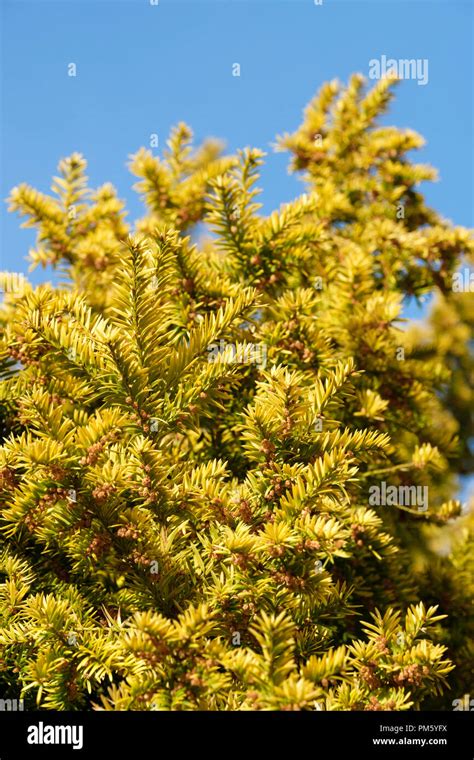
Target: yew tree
(195, 413)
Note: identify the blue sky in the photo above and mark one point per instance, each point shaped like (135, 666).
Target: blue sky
(143, 67)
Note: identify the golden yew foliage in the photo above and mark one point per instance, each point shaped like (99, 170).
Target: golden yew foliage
(190, 432)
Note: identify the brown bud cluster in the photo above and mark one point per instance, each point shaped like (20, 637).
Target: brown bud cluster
(297, 347)
(128, 531)
(375, 705)
(219, 509)
(57, 472)
(102, 493)
(412, 675)
(291, 581)
(368, 674)
(240, 560)
(26, 353)
(94, 451)
(357, 532)
(51, 496)
(193, 679)
(140, 559)
(7, 478)
(382, 644)
(288, 424)
(307, 545)
(150, 495)
(72, 690)
(278, 487)
(244, 511)
(188, 284)
(32, 519)
(151, 657)
(140, 416)
(276, 550)
(99, 545)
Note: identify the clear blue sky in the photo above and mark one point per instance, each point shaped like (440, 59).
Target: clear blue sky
(141, 68)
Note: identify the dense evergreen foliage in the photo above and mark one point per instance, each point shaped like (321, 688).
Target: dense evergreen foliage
(228, 467)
